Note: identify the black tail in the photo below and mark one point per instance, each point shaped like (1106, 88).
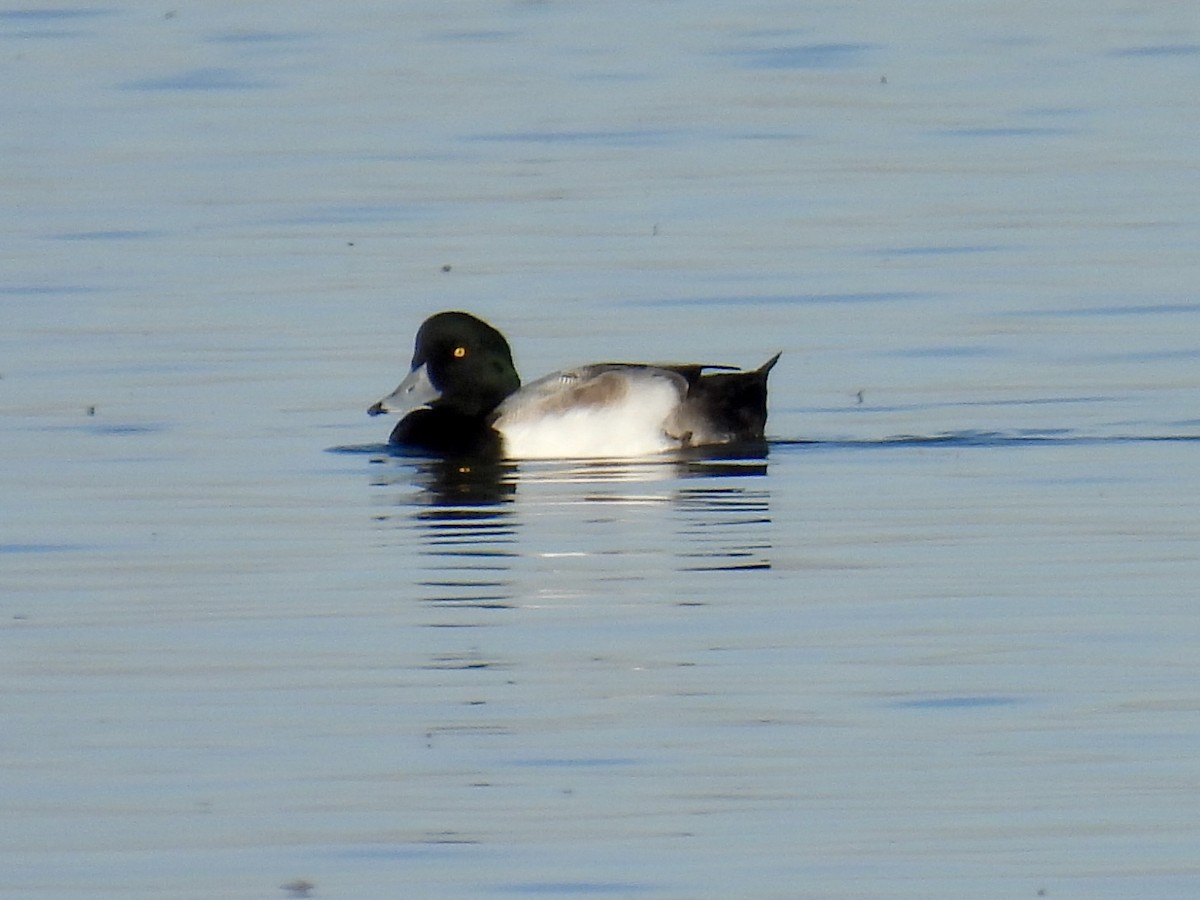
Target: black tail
(732, 404)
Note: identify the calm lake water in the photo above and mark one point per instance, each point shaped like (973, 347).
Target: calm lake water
(942, 641)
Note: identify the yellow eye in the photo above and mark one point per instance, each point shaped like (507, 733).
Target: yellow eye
(460, 352)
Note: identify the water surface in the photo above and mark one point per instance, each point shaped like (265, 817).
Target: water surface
(940, 641)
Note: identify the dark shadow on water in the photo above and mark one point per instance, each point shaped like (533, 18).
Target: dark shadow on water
(804, 56)
(40, 548)
(208, 78)
(576, 762)
(575, 888)
(958, 703)
(992, 439)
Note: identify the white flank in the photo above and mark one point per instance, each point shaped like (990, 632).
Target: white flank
(596, 412)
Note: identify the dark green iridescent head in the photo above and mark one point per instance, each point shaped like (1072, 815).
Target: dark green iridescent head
(467, 360)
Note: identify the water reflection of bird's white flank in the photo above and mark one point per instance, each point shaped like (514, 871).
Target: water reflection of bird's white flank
(542, 533)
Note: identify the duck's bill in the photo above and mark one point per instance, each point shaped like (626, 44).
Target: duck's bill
(414, 392)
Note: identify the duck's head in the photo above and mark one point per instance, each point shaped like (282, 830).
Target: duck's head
(460, 364)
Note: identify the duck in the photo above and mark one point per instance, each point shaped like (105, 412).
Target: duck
(463, 397)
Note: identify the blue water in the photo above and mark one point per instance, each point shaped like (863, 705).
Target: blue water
(940, 641)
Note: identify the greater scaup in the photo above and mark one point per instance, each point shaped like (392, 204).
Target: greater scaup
(463, 397)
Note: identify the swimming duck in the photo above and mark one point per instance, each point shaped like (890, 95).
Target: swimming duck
(463, 397)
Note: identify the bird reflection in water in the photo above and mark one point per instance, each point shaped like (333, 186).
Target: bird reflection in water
(450, 482)
(715, 515)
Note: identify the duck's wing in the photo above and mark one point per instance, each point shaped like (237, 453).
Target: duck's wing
(599, 387)
(608, 409)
